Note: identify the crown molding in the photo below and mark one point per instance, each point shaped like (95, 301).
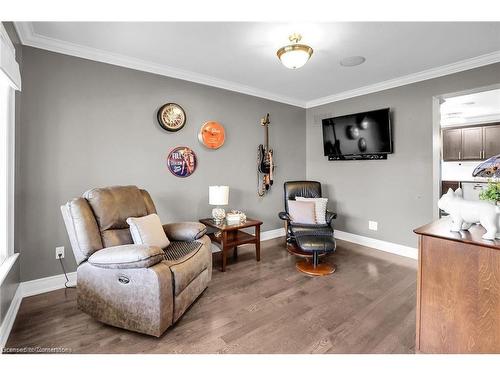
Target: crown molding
(28, 37)
(5, 36)
(440, 71)
(24, 30)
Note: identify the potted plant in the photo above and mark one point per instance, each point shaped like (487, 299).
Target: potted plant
(491, 193)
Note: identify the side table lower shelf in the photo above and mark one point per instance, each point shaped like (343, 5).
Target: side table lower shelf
(230, 237)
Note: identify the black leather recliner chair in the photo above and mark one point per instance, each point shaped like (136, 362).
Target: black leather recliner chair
(308, 240)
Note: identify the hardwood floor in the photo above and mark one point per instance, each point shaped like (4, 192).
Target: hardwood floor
(366, 306)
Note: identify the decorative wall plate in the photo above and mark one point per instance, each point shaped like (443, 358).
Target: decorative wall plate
(171, 117)
(212, 134)
(181, 161)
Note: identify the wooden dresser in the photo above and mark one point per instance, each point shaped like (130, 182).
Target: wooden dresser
(458, 291)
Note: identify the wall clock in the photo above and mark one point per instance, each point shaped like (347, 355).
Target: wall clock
(171, 117)
(181, 161)
(212, 134)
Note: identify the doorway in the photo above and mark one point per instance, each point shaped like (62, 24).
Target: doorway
(466, 130)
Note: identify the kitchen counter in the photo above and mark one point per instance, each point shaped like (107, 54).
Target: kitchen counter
(481, 180)
(470, 189)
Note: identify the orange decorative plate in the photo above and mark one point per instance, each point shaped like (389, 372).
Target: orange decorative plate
(212, 135)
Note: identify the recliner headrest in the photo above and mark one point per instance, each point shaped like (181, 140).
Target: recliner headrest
(113, 205)
(306, 189)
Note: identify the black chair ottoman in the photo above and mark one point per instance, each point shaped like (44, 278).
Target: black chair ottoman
(316, 245)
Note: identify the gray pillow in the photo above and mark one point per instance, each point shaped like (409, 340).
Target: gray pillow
(302, 212)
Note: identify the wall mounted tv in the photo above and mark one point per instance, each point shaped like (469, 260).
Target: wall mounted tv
(365, 135)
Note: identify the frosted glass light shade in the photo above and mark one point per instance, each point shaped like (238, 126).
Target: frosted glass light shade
(294, 56)
(218, 195)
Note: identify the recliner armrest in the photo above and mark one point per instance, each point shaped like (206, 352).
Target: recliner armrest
(284, 216)
(127, 256)
(185, 231)
(330, 216)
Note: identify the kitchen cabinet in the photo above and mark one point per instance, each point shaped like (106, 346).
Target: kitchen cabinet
(452, 144)
(471, 142)
(491, 141)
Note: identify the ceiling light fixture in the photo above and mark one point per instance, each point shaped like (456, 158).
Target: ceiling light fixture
(294, 55)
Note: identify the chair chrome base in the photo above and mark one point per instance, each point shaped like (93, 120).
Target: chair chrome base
(321, 269)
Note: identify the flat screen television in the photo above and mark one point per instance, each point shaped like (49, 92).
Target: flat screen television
(365, 135)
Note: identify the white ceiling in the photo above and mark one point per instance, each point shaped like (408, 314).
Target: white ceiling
(472, 108)
(242, 56)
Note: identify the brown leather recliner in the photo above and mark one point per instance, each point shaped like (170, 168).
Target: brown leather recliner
(137, 287)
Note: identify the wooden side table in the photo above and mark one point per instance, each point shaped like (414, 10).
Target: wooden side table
(231, 236)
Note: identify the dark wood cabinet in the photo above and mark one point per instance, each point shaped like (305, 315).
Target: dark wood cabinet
(452, 144)
(471, 143)
(491, 141)
(445, 185)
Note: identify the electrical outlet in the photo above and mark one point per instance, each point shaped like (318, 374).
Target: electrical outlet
(59, 252)
(372, 225)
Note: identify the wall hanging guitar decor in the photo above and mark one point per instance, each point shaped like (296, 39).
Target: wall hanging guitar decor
(265, 165)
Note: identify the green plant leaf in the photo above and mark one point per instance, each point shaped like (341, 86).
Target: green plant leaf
(491, 193)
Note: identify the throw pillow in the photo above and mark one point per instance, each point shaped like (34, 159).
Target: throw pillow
(302, 212)
(147, 230)
(320, 207)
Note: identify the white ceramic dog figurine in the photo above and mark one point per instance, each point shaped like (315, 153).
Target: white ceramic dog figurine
(465, 213)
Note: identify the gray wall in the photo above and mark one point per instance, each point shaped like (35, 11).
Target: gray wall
(11, 282)
(87, 124)
(396, 192)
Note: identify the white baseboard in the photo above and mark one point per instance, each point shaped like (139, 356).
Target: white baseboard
(389, 247)
(10, 317)
(270, 234)
(46, 284)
